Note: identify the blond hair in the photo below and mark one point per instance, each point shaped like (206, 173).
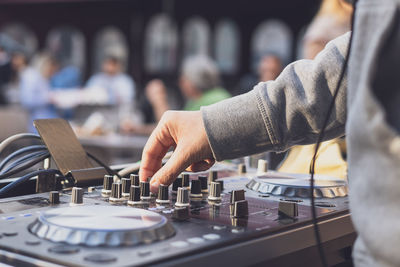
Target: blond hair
(338, 8)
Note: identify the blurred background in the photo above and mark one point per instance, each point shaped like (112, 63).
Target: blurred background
(113, 67)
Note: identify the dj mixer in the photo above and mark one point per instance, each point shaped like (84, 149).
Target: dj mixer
(225, 217)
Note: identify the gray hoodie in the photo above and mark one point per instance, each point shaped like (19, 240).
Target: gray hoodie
(290, 110)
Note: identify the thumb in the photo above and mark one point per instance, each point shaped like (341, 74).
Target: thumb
(168, 173)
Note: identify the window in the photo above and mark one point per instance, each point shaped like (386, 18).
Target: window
(271, 37)
(196, 37)
(227, 45)
(161, 42)
(109, 41)
(68, 45)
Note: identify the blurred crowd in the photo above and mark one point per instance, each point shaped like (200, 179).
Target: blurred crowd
(48, 87)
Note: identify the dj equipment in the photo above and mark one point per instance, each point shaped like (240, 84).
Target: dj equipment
(225, 217)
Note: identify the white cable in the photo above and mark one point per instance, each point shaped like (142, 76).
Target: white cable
(16, 137)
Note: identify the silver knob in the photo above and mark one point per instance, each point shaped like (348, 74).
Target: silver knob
(262, 166)
(135, 180)
(107, 183)
(182, 198)
(241, 169)
(116, 193)
(215, 191)
(76, 196)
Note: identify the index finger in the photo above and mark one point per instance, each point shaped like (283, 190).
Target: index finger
(154, 151)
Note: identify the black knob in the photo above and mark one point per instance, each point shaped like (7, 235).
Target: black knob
(162, 194)
(126, 185)
(221, 182)
(107, 183)
(242, 169)
(76, 196)
(135, 180)
(212, 176)
(182, 199)
(116, 193)
(195, 189)
(177, 183)
(215, 192)
(204, 183)
(237, 195)
(134, 195)
(185, 180)
(240, 209)
(54, 197)
(145, 190)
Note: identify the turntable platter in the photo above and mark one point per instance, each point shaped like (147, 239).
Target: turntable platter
(100, 225)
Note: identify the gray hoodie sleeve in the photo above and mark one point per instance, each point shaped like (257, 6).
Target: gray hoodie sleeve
(278, 114)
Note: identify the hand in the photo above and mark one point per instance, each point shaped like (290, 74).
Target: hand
(185, 131)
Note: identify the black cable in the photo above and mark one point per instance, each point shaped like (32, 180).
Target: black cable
(321, 137)
(24, 167)
(108, 169)
(24, 179)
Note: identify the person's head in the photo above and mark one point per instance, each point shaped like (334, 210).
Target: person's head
(338, 8)
(198, 75)
(19, 61)
(112, 65)
(269, 68)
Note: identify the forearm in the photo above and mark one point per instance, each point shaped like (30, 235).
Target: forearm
(281, 113)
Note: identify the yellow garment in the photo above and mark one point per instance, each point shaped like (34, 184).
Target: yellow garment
(329, 160)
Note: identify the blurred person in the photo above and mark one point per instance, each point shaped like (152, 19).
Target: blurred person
(5, 73)
(119, 86)
(331, 21)
(65, 77)
(199, 83)
(34, 87)
(269, 68)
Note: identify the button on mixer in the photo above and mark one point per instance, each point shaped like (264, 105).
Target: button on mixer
(134, 195)
(126, 186)
(116, 194)
(204, 183)
(211, 236)
(135, 180)
(163, 196)
(215, 192)
(177, 183)
(182, 198)
(76, 196)
(145, 190)
(195, 189)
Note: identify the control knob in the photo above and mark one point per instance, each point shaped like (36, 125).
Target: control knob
(54, 197)
(107, 183)
(145, 190)
(76, 196)
(134, 195)
(162, 197)
(177, 183)
(126, 185)
(195, 189)
(135, 180)
(182, 199)
(204, 183)
(215, 192)
(116, 193)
